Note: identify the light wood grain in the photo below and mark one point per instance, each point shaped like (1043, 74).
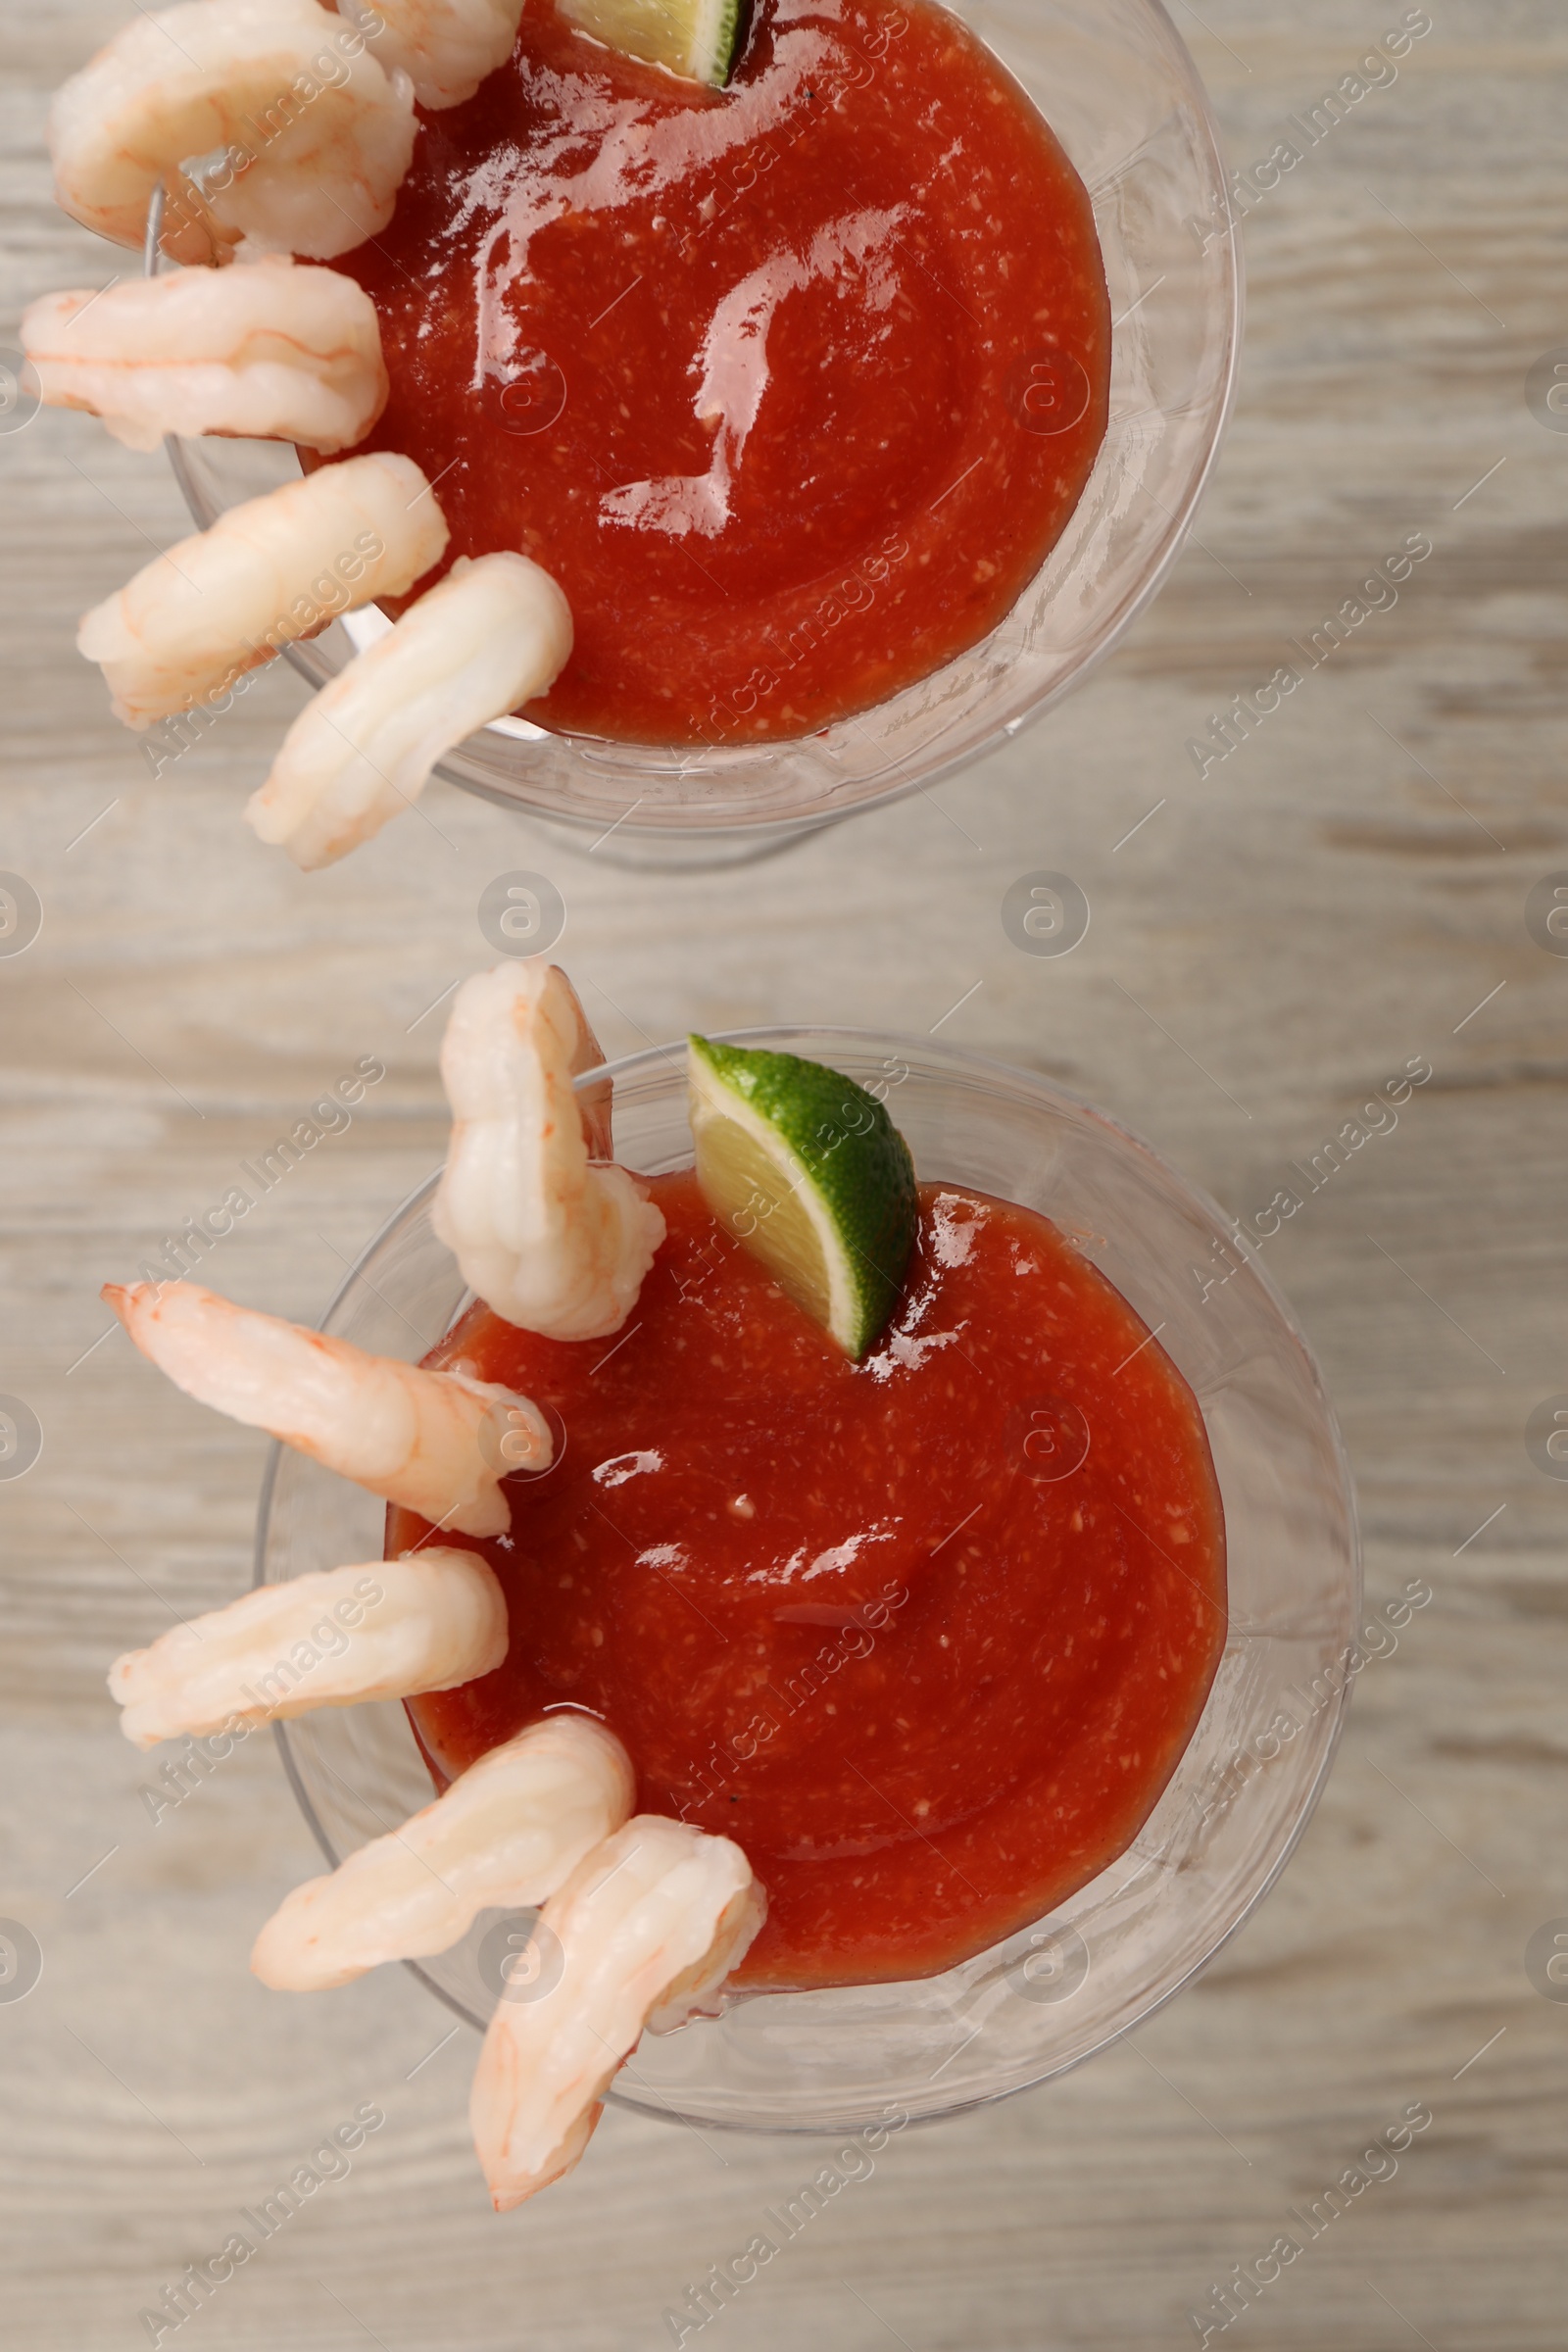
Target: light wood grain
(1321, 907)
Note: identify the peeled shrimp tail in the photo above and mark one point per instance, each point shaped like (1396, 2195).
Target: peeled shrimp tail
(548, 1240)
(437, 1442)
(446, 47)
(490, 637)
(645, 1930)
(387, 1630)
(596, 1102)
(313, 137)
(268, 350)
(506, 1835)
(277, 568)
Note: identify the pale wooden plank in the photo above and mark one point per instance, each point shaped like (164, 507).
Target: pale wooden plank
(1302, 919)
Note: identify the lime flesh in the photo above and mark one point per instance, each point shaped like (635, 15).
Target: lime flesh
(808, 1173)
(698, 39)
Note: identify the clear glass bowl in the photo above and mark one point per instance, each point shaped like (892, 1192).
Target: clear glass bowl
(1116, 83)
(1058, 1992)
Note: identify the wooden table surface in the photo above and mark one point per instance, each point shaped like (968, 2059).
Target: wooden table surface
(1348, 893)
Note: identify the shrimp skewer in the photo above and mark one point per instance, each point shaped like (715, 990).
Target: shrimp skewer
(268, 571)
(387, 1630)
(316, 136)
(269, 350)
(648, 1925)
(491, 636)
(546, 1239)
(508, 1833)
(437, 1442)
(446, 47)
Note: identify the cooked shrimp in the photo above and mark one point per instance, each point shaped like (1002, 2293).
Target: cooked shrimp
(596, 1102)
(509, 1833)
(437, 1442)
(446, 47)
(549, 1242)
(314, 136)
(386, 1630)
(269, 350)
(268, 571)
(647, 1926)
(492, 635)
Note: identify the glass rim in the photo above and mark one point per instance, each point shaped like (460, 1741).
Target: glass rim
(956, 1064)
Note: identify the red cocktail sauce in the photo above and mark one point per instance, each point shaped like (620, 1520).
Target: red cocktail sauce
(793, 386)
(927, 1635)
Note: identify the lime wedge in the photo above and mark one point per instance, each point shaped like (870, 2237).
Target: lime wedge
(698, 39)
(807, 1170)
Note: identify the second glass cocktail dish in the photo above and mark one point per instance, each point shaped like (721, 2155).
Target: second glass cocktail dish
(1063, 1987)
(1119, 89)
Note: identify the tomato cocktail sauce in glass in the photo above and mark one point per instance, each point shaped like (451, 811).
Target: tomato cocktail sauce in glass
(792, 385)
(927, 1635)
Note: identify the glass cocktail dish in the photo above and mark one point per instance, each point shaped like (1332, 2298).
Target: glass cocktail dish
(1121, 93)
(1065, 1985)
